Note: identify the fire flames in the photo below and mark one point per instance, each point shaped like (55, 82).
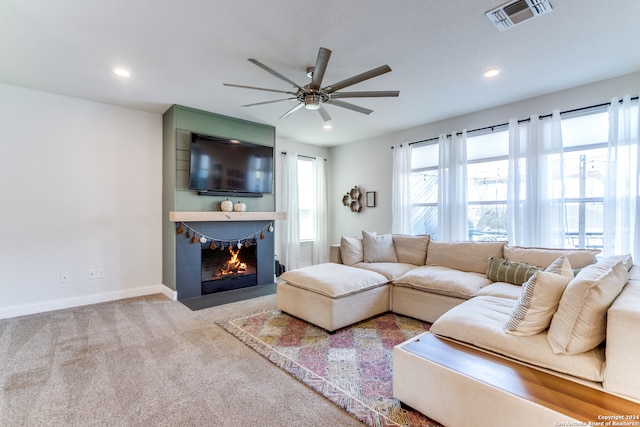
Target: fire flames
(233, 265)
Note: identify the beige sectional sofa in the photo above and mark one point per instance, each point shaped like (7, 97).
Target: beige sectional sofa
(548, 308)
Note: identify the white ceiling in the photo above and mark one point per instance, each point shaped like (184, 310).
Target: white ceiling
(182, 52)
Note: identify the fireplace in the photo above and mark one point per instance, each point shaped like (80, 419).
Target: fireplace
(228, 267)
(191, 254)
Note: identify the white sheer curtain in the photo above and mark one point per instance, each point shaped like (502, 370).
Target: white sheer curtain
(321, 245)
(621, 203)
(291, 229)
(452, 188)
(401, 189)
(535, 188)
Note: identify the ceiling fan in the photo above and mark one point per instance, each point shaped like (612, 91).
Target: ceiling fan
(312, 96)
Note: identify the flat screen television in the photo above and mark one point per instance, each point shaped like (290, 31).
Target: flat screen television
(220, 166)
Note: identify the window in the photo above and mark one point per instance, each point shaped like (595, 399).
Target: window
(424, 189)
(585, 155)
(585, 144)
(487, 167)
(306, 198)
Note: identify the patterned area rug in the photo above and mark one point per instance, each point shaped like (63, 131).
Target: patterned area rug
(351, 367)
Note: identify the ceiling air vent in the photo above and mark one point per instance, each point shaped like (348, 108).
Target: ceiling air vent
(516, 12)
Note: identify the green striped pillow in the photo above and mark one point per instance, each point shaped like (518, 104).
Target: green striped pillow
(517, 273)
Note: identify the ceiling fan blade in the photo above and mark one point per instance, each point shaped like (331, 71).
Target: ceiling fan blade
(267, 102)
(349, 106)
(366, 94)
(357, 79)
(258, 88)
(321, 66)
(325, 115)
(293, 110)
(274, 72)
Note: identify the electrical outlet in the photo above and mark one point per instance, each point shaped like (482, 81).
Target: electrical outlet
(65, 277)
(92, 274)
(100, 273)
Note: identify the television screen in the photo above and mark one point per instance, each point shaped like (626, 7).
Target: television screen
(229, 165)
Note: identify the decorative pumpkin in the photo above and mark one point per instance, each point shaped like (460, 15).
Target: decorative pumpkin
(226, 206)
(239, 207)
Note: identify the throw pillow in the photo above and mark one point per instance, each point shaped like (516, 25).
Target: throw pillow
(378, 247)
(411, 249)
(351, 250)
(580, 323)
(562, 267)
(516, 273)
(539, 299)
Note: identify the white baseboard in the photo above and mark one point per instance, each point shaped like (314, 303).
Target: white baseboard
(42, 307)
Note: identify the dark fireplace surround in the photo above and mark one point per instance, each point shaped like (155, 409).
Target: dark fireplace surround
(189, 282)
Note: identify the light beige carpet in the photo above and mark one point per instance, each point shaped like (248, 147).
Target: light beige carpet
(147, 361)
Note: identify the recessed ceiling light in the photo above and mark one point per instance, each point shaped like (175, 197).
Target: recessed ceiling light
(121, 72)
(492, 72)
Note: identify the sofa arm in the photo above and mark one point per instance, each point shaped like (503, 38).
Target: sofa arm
(622, 371)
(334, 254)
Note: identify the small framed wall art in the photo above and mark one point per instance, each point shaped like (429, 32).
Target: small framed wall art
(371, 199)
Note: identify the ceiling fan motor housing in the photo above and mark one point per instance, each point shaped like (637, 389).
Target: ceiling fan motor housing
(312, 100)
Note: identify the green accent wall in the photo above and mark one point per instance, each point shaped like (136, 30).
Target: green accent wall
(177, 124)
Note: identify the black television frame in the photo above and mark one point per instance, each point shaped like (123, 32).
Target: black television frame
(232, 142)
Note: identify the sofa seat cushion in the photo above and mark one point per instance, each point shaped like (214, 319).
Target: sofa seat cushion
(444, 281)
(480, 322)
(390, 270)
(501, 290)
(334, 280)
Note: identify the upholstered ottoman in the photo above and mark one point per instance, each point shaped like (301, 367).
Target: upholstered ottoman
(332, 295)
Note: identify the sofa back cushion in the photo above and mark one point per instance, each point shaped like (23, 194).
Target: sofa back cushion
(463, 256)
(580, 323)
(378, 247)
(543, 257)
(411, 249)
(351, 250)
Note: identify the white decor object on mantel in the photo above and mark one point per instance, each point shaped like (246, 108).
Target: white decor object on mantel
(239, 207)
(226, 206)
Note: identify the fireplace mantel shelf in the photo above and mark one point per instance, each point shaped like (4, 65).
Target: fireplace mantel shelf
(179, 216)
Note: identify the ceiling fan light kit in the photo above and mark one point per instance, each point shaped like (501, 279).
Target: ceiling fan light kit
(312, 102)
(312, 96)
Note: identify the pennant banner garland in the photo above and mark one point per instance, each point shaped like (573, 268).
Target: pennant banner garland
(197, 236)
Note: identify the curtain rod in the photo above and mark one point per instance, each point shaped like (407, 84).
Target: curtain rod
(545, 116)
(302, 155)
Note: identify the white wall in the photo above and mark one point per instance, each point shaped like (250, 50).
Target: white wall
(368, 163)
(80, 188)
(286, 145)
